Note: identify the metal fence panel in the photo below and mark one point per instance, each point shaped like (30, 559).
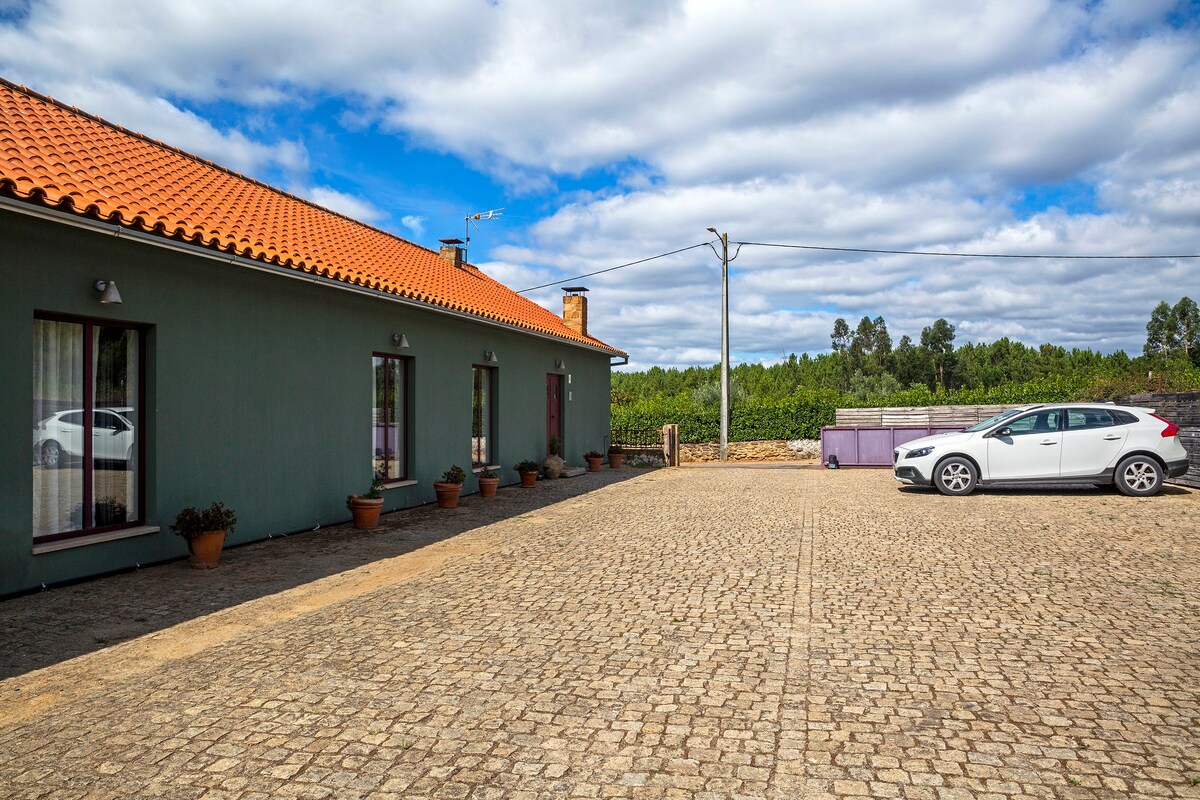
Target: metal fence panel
(873, 446)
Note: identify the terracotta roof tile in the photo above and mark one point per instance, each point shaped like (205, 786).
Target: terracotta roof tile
(61, 157)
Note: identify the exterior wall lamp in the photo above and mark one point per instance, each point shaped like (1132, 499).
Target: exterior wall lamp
(558, 364)
(490, 356)
(400, 340)
(108, 292)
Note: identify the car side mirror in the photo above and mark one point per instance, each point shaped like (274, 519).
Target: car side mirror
(1005, 431)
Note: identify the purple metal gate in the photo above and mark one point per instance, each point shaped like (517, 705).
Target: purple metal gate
(870, 447)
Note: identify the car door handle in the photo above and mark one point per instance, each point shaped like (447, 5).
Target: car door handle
(1111, 438)
(1048, 442)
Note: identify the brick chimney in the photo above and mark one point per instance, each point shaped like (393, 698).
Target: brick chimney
(451, 251)
(575, 308)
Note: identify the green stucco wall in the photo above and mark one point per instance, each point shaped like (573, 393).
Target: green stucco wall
(259, 391)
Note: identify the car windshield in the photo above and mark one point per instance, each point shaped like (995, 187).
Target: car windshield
(987, 423)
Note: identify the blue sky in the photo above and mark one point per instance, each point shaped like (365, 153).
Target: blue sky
(611, 132)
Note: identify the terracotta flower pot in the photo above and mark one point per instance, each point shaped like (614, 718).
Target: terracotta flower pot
(447, 494)
(366, 511)
(594, 464)
(528, 479)
(487, 486)
(205, 549)
(615, 460)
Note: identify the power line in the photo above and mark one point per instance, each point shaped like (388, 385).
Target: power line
(860, 250)
(619, 266)
(956, 255)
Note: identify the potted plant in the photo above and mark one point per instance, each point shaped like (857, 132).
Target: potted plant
(615, 456)
(110, 511)
(489, 480)
(554, 462)
(528, 471)
(365, 508)
(593, 457)
(449, 486)
(205, 533)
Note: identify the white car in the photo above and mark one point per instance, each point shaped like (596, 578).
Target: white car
(1070, 443)
(59, 437)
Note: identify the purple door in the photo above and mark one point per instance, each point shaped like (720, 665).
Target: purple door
(553, 408)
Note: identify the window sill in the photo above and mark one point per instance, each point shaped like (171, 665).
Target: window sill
(95, 538)
(477, 470)
(399, 485)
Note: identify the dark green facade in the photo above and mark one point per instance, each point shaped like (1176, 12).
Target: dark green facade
(258, 390)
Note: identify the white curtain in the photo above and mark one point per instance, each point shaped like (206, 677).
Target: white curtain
(57, 386)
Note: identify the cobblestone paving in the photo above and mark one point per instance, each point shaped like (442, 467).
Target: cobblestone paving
(716, 633)
(64, 623)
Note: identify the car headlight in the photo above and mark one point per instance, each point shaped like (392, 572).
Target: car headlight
(920, 452)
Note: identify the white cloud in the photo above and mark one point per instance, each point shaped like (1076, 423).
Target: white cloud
(644, 309)
(185, 130)
(525, 88)
(414, 223)
(254, 51)
(354, 207)
(520, 276)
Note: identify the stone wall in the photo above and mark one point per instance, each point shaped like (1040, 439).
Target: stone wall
(798, 450)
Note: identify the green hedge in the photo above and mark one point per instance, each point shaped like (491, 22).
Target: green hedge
(802, 415)
(797, 417)
(1055, 389)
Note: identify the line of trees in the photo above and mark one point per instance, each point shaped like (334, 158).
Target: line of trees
(864, 368)
(869, 363)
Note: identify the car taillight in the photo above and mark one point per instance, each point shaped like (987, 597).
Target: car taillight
(1171, 430)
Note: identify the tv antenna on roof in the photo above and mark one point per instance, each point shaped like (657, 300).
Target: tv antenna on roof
(473, 219)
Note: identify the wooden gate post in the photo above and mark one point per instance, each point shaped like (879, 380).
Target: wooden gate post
(671, 445)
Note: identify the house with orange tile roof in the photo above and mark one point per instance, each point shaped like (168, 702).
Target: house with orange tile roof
(194, 335)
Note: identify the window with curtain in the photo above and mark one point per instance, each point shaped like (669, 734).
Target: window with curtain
(389, 444)
(483, 444)
(87, 379)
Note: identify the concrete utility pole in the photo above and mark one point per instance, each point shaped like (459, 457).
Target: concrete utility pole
(724, 343)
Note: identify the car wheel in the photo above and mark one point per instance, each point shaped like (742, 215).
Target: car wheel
(955, 476)
(51, 455)
(1138, 476)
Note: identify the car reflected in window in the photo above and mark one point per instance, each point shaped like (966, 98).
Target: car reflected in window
(58, 439)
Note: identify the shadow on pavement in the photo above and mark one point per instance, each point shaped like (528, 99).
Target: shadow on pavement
(38, 630)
